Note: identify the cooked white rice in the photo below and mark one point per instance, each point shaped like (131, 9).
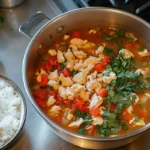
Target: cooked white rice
(10, 103)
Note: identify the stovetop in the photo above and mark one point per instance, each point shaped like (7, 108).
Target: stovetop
(132, 6)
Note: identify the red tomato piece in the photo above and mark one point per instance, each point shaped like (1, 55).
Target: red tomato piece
(84, 108)
(106, 60)
(142, 113)
(68, 103)
(128, 45)
(76, 34)
(52, 92)
(59, 100)
(103, 92)
(112, 107)
(46, 66)
(95, 111)
(58, 119)
(78, 104)
(127, 116)
(40, 103)
(40, 94)
(52, 60)
(89, 128)
(58, 66)
(104, 105)
(66, 72)
(99, 67)
(44, 80)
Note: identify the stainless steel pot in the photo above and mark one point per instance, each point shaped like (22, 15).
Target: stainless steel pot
(10, 3)
(62, 24)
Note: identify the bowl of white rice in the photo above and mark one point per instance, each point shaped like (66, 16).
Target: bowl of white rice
(12, 111)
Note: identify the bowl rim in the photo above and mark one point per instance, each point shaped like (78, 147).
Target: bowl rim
(42, 114)
(24, 111)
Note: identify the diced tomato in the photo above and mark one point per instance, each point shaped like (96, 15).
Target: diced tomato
(46, 66)
(76, 34)
(106, 60)
(112, 107)
(127, 116)
(52, 92)
(44, 80)
(68, 103)
(84, 108)
(103, 92)
(58, 119)
(52, 60)
(89, 128)
(58, 66)
(66, 72)
(95, 111)
(142, 113)
(40, 103)
(79, 104)
(99, 67)
(128, 45)
(104, 105)
(40, 94)
(59, 100)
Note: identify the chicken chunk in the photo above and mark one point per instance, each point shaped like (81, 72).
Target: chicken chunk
(70, 95)
(70, 59)
(87, 46)
(140, 71)
(54, 75)
(144, 53)
(60, 57)
(66, 81)
(81, 76)
(79, 54)
(91, 61)
(51, 101)
(52, 52)
(96, 101)
(76, 123)
(54, 110)
(54, 84)
(130, 35)
(126, 53)
(140, 122)
(62, 92)
(92, 31)
(97, 121)
(79, 65)
(108, 79)
(66, 37)
(77, 42)
(99, 50)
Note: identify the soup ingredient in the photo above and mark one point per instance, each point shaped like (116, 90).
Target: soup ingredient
(99, 84)
(10, 103)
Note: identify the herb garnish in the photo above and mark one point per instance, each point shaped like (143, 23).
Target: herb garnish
(73, 72)
(116, 35)
(108, 51)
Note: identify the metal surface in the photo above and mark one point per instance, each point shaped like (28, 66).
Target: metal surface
(36, 134)
(10, 3)
(115, 18)
(23, 111)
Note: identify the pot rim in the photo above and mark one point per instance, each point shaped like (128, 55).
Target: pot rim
(43, 115)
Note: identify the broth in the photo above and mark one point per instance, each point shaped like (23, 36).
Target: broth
(95, 82)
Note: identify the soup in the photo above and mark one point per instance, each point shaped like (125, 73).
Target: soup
(95, 82)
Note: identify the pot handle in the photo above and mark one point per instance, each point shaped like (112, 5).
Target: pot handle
(33, 23)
